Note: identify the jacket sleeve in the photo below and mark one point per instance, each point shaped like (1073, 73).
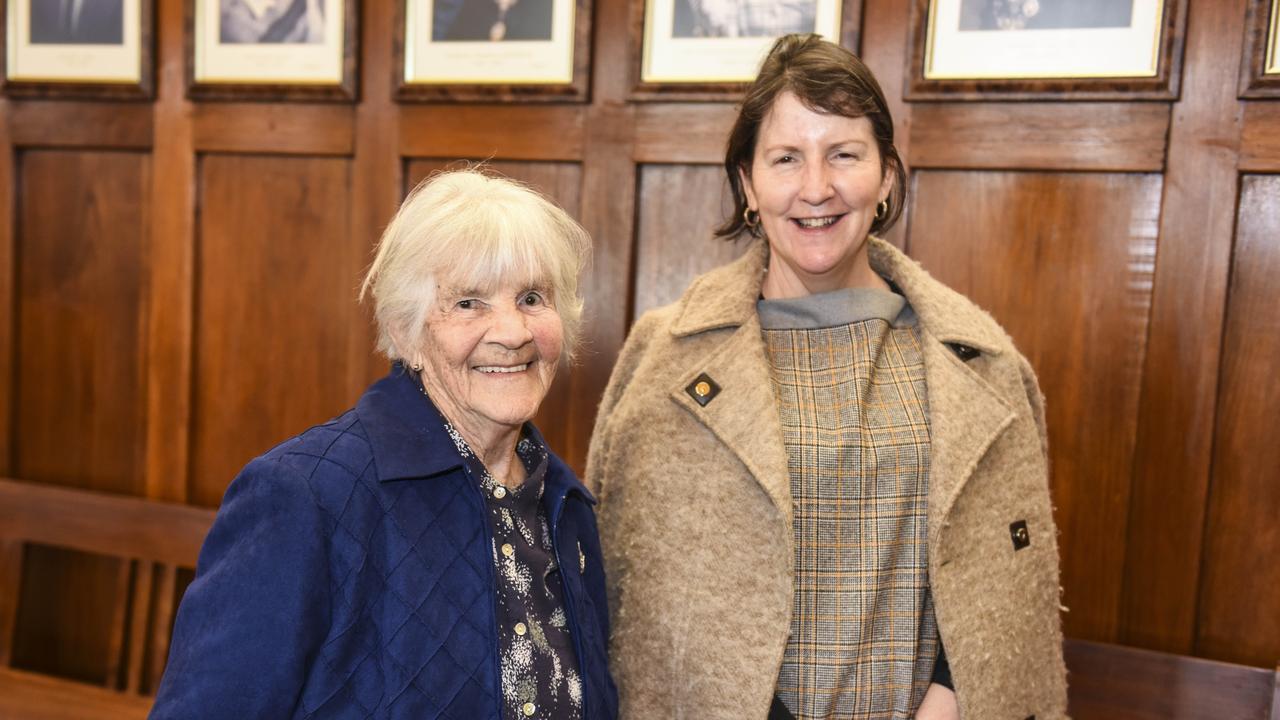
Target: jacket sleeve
(623, 370)
(252, 622)
(1036, 399)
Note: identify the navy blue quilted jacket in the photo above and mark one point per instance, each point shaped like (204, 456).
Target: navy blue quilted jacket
(349, 574)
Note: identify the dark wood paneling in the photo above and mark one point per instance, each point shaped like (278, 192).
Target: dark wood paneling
(1179, 380)
(679, 208)
(669, 133)
(1239, 618)
(78, 384)
(1064, 262)
(8, 280)
(274, 129)
(561, 182)
(1260, 141)
(1035, 136)
(52, 123)
(275, 302)
(493, 131)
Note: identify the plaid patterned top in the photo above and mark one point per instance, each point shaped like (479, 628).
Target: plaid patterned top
(849, 378)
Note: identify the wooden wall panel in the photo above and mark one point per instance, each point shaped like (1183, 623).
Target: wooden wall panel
(1064, 262)
(679, 209)
(78, 380)
(1239, 616)
(562, 182)
(274, 307)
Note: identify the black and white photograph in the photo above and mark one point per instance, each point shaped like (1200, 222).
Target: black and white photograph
(76, 42)
(742, 18)
(1044, 14)
(1027, 39)
(278, 43)
(491, 20)
(488, 42)
(723, 41)
(271, 21)
(77, 22)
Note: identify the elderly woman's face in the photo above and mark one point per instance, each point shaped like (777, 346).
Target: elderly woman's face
(815, 179)
(490, 357)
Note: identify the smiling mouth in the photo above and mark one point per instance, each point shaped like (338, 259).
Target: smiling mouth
(501, 369)
(817, 222)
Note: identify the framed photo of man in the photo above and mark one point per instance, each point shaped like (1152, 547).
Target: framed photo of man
(1129, 49)
(503, 50)
(1260, 71)
(78, 48)
(701, 49)
(278, 49)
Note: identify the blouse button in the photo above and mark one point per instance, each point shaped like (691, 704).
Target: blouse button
(521, 628)
(499, 492)
(529, 709)
(508, 550)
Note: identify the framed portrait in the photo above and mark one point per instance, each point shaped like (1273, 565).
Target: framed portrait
(706, 49)
(1260, 71)
(1081, 49)
(496, 50)
(272, 49)
(81, 48)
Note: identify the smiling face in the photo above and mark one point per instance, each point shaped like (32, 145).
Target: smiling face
(489, 357)
(815, 179)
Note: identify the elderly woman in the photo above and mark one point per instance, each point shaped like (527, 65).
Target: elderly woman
(822, 473)
(422, 555)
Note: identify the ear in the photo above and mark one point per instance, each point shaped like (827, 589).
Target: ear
(750, 192)
(402, 348)
(886, 183)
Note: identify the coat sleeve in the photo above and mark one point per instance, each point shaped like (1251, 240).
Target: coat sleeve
(1036, 399)
(252, 622)
(623, 370)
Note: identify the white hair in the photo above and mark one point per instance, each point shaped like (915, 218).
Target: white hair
(470, 230)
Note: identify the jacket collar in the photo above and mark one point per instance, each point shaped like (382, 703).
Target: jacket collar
(726, 297)
(407, 435)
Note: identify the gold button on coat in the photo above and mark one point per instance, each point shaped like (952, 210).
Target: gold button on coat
(528, 709)
(521, 629)
(499, 492)
(507, 550)
(703, 389)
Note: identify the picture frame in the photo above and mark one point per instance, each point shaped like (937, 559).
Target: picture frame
(272, 49)
(691, 50)
(1260, 70)
(101, 51)
(492, 50)
(1031, 50)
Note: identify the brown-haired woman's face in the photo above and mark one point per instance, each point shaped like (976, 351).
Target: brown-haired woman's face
(815, 179)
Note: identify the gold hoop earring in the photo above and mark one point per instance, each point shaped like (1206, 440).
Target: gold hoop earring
(747, 215)
(882, 210)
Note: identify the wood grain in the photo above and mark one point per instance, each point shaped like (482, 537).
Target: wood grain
(1260, 140)
(36, 697)
(50, 123)
(679, 208)
(1179, 380)
(688, 133)
(1237, 617)
(9, 185)
(1064, 262)
(1040, 136)
(492, 131)
(270, 358)
(274, 129)
(78, 382)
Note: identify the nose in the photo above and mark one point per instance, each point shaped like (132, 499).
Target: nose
(816, 188)
(510, 327)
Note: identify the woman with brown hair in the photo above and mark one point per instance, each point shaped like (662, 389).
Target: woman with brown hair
(822, 473)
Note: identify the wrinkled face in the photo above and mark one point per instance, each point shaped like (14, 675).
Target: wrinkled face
(815, 179)
(489, 357)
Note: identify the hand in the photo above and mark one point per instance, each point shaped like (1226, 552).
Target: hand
(939, 704)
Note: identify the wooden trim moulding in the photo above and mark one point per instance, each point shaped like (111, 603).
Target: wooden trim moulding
(274, 129)
(1166, 85)
(492, 132)
(62, 124)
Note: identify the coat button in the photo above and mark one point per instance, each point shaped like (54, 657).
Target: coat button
(521, 629)
(529, 709)
(703, 389)
(499, 492)
(508, 550)
(1018, 532)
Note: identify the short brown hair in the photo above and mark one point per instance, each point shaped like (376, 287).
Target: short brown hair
(826, 78)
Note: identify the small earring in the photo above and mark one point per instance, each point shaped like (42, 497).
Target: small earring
(751, 218)
(416, 367)
(882, 209)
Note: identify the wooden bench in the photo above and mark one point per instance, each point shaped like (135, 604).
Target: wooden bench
(151, 539)
(1113, 682)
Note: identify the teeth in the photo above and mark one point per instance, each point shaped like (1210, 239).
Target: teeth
(500, 369)
(816, 222)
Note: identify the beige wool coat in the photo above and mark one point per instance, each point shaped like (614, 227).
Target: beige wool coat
(695, 507)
